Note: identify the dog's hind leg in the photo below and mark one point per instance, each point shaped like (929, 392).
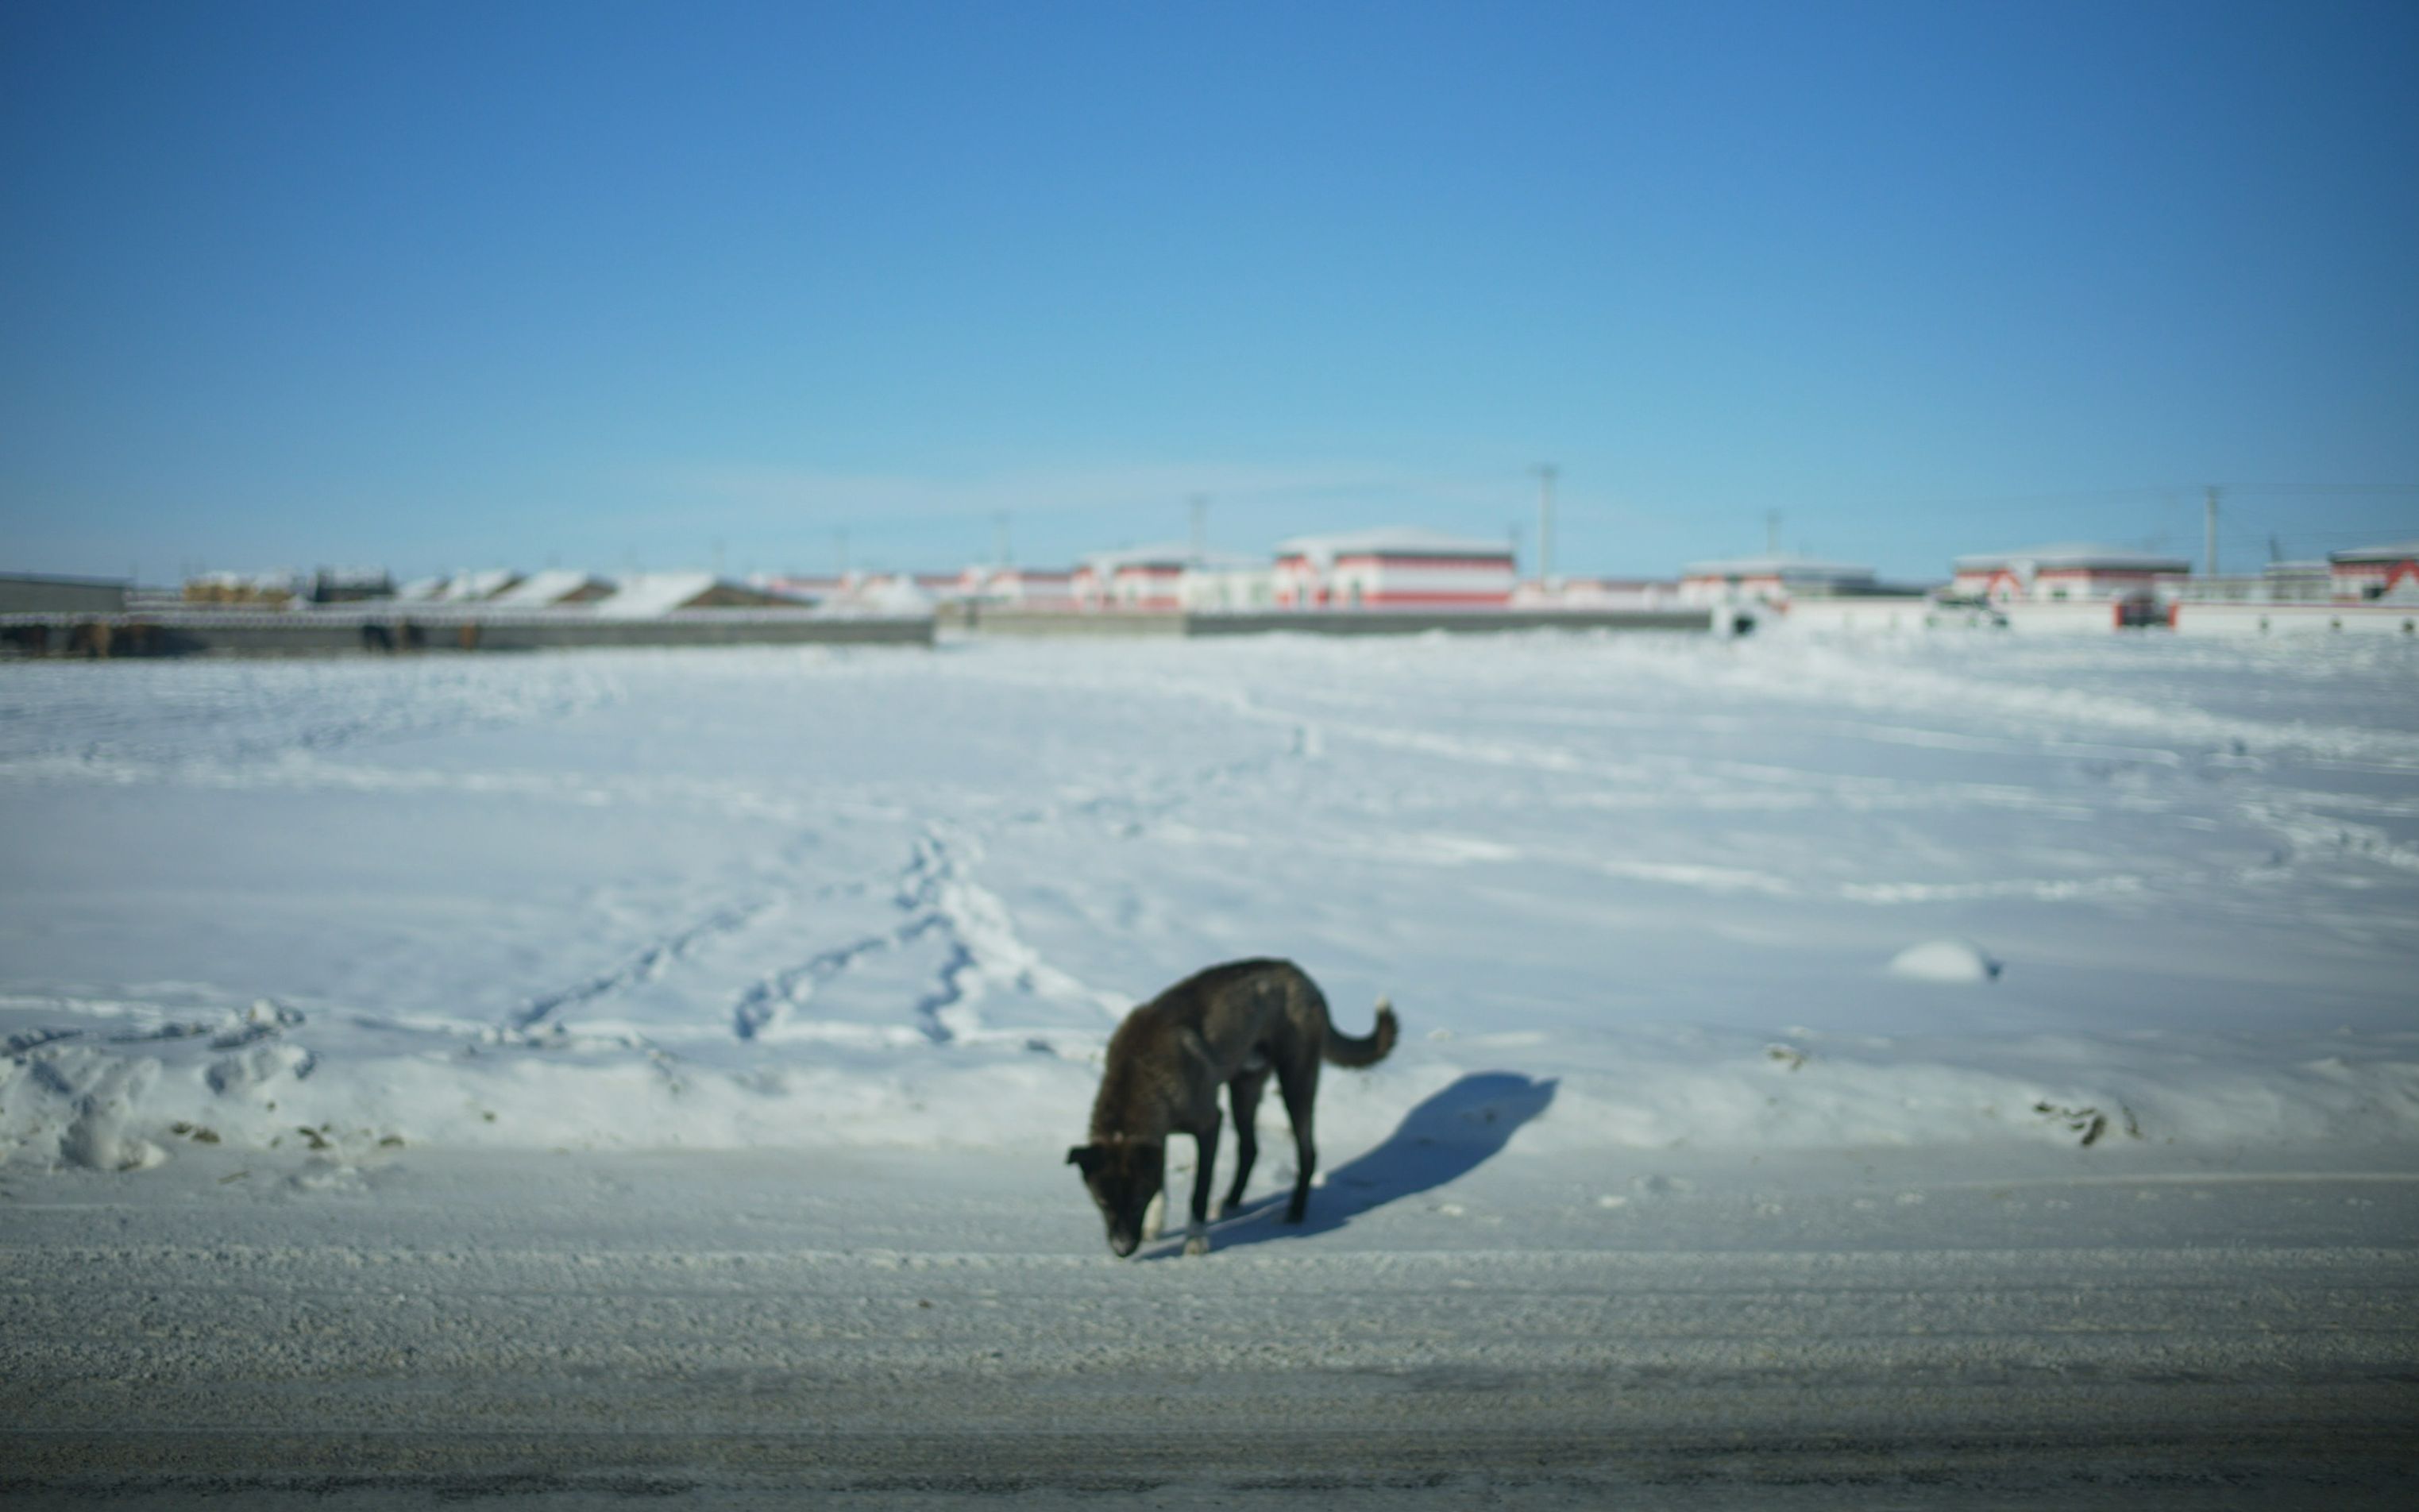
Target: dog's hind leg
(1297, 1084)
(1204, 1142)
(1243, 1094)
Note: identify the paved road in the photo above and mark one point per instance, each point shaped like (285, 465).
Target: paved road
(610, 1330)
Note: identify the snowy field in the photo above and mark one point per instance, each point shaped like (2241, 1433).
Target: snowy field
(1668, 893)
(1840, 1070)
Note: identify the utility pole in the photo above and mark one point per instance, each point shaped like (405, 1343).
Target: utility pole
(2211, 516)
(1544, 472)
(999, 538)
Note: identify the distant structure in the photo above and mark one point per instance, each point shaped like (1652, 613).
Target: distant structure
(648, 594)
(1147, 577)
(2368, 573)
(555, 588)
(2279, 582)
(1597, 594)
(475, 587)
(1019, 587)
(246, 590)
(1394, 567)
(1770, 579)
(2069, 572)
(806, 588)
(33, 593)
(350, 585)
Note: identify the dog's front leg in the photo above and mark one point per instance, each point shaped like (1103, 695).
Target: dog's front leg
(1205, 1144)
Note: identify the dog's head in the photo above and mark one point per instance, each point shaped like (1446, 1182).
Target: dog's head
(1122, 1175)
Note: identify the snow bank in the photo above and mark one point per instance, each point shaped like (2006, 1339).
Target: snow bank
(270, 1078)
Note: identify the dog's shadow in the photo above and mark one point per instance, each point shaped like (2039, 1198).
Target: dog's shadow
(1453, 1132)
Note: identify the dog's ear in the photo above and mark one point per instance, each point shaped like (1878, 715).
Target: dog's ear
(1087, 1156)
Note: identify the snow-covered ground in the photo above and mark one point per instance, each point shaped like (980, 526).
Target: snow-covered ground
(1626, 892)
(1831, 1071)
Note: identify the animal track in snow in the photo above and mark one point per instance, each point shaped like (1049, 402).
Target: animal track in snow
(981, 953)
(646, 965)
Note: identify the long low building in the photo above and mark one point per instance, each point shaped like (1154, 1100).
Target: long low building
(36, 593)
(2065, 572)
(1148, 576)
(1770, 579)
(1394, 567)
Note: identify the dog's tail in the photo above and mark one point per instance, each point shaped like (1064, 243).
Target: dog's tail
(1367, 1050)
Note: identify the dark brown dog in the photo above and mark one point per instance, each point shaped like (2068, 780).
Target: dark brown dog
(1231, 1026)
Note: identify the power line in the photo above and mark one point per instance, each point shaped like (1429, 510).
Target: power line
(2323, 487)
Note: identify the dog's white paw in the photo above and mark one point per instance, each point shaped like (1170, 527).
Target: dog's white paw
(1154, 1217)
(1196, 1243)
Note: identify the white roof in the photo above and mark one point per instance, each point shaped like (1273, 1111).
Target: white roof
(2389, 551)
(287, 579)
(540, 589)
(463, 587)
(2077, 554)
(1166, 554)
(1391, 541)
(1784, 567)
(646, 595)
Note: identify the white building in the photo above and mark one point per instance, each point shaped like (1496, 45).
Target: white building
(1236, 588)
(1148, 576)
(1395, 567)
(2373, 572)
(1772, 580)
(2069, 572)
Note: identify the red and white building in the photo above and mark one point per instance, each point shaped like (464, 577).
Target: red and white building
(1774, 579)
(1398, 568)
(2369, 573)
(1146, 576)
(2067, 572)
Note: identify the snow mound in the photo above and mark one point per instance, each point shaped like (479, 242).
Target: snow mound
(900, 595)
(1944, 960)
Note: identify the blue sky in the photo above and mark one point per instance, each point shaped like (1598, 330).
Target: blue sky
(438, 285)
